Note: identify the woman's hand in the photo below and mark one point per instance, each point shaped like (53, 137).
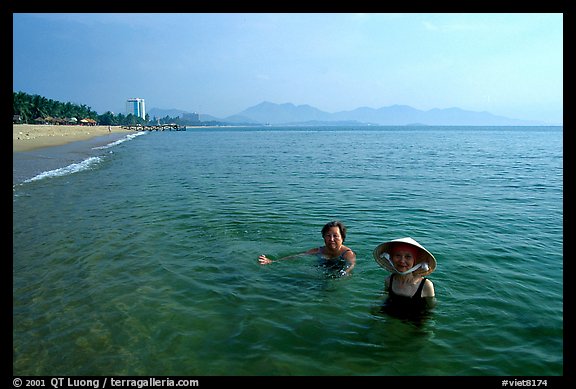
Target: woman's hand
(264, 260)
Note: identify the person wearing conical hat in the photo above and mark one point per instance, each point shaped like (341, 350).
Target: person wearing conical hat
(409, 263)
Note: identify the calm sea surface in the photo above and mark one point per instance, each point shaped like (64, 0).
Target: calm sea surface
(140, 257)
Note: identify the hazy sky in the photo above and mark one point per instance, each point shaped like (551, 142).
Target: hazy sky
(220, 64)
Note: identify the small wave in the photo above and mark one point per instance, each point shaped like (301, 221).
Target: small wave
(117, 142)
(72, 168)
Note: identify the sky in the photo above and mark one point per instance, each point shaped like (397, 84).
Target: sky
(508, 64)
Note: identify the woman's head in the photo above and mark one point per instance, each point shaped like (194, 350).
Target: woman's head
(331, 226)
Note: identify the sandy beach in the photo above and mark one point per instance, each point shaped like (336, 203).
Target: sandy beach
(26, 137)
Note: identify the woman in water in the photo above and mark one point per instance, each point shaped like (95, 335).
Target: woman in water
(407, 288)
(333, 255)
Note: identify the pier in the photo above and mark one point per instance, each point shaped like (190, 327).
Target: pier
(158, 127)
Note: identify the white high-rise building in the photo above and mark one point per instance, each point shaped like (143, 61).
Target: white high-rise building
(136, 107)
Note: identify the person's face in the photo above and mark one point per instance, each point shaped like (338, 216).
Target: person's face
(403, 256)
(333, 238)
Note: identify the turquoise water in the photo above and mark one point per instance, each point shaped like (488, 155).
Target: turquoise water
(141, 258)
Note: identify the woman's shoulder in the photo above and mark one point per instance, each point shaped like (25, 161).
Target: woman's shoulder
(388, 284)
(348, 253)
(428, 288)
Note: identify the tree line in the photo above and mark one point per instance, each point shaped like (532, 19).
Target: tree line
(33, 108)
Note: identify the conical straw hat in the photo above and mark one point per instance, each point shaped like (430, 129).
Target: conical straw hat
(424, 257)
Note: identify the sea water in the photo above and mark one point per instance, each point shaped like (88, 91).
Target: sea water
(140, 257)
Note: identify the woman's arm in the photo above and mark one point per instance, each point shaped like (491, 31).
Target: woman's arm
(264, 260)
(350, 258)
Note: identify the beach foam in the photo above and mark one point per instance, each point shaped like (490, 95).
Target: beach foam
(72, 168)
(33, 160)
(119, 141)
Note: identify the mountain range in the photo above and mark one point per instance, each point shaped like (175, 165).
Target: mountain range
(267, 113)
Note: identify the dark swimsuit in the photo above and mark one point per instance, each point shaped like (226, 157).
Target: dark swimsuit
(337, 264)
(399, 305)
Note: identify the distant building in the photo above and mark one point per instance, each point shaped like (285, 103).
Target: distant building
(136, 107)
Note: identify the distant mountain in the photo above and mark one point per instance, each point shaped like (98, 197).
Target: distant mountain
(160, 113)
(394, 115)
(267, 113)
(288, 113)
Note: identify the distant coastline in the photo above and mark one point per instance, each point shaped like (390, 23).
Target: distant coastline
(28, 137)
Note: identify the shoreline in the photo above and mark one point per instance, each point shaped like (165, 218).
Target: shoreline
(28, 137)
